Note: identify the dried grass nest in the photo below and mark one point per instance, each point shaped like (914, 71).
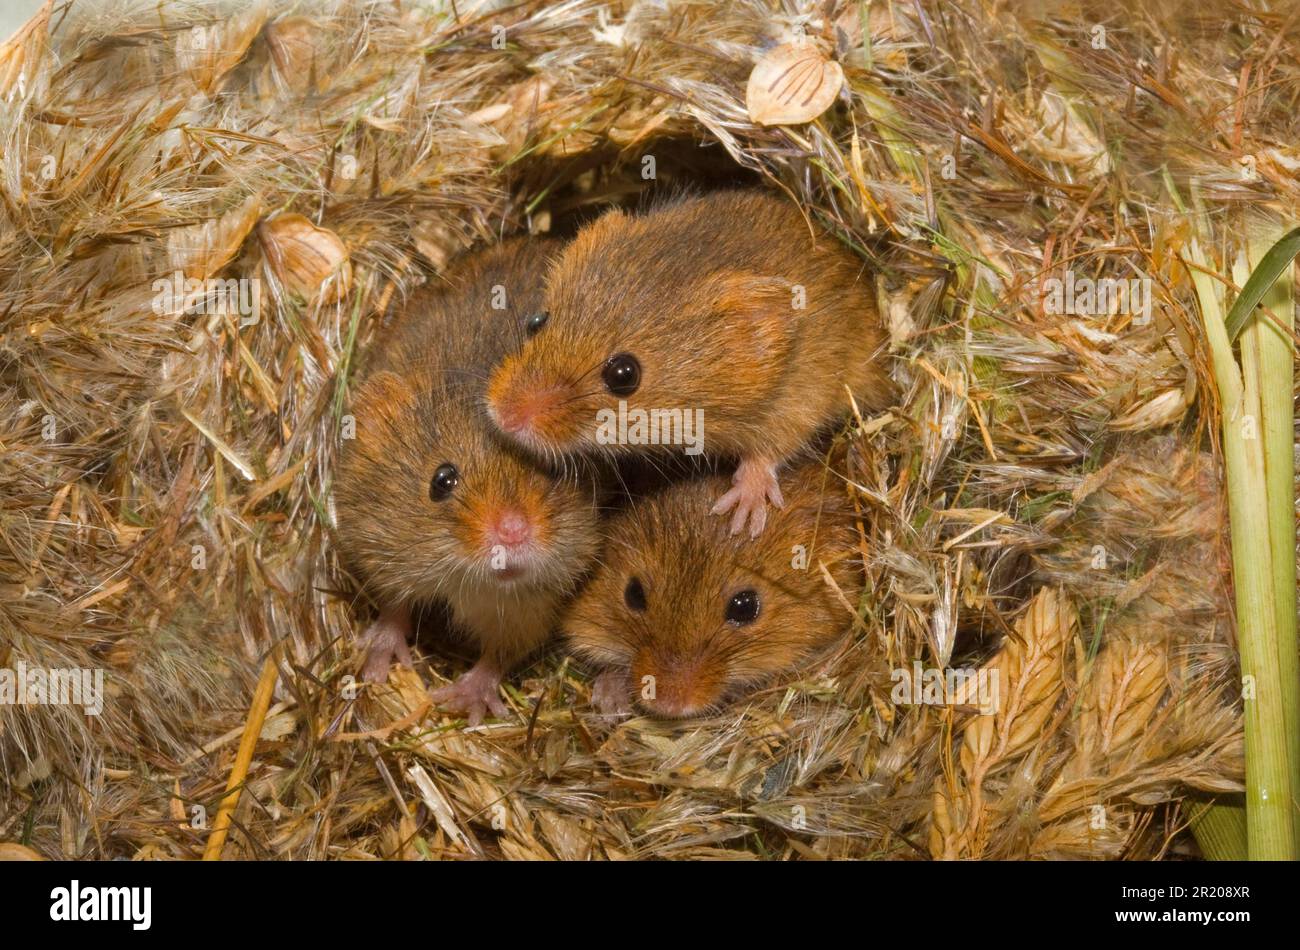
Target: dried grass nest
(1043, 500)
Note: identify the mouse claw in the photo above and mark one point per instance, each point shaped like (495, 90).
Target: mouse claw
(610, 693)
(474, 693)
(385, 643)
(753, 486)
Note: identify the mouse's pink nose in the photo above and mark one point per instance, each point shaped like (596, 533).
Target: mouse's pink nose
(512, 528)
(524, 408)
(673, 686)
(669, 707)
(514, 417)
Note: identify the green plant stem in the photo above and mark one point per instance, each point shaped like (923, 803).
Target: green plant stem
(1269, 813)
(1220, 830)
(1273, 356)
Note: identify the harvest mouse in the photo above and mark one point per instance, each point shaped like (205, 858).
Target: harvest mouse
(683, 615)
(726, 303)
(432, 504)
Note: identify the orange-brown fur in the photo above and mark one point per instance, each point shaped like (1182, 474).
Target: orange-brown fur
(422, 406)
(689, 566)
(701, 292)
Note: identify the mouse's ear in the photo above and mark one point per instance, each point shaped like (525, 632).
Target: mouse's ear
(765, 309)
(576, 269)
(589, 247)
(385, 397)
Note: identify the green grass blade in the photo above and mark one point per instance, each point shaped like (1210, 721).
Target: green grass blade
(1277, 260)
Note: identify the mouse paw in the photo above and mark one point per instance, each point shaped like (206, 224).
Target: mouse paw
(752, 487)
(474, 693)
(385, 643)
(610, 692)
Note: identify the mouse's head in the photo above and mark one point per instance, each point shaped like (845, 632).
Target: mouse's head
(429, 498)
(655, 312)
(695, 615)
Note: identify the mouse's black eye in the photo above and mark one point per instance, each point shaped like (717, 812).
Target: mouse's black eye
(634, 595)
(622, 374)
(444, 482)
(536, 322)
(743, 608)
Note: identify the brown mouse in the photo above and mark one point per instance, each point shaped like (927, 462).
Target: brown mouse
(684, 615)
(727, 304)
(432, 504)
